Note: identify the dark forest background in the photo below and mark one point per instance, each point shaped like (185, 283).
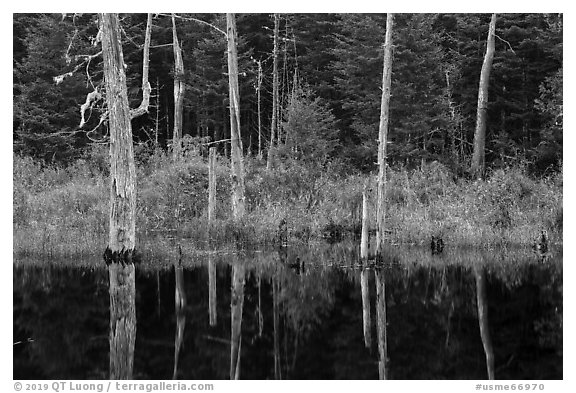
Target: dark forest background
(330, 70)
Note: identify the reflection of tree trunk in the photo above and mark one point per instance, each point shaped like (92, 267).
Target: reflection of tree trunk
(212, 290)
(179, 305)
(238, 272)
(364, 275)
(122, 320)
(275, 313)
(381, 324)
(158, 297)
(482, 303)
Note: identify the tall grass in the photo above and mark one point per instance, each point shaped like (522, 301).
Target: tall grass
(65, 210)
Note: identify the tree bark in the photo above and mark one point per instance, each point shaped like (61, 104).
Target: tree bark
(238, 198)
(274, 125)
(477, 167)
(383, 135)
(179, 88)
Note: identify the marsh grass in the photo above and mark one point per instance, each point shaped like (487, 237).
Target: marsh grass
(64, 211)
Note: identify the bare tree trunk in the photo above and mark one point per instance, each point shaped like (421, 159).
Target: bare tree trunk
(179, 88)
(477, 167)
(383, 135)
(482, 304)
(122, 231)
(211, 185)
(259, 87)
(364, 238)
(238, 199)
(274, 125)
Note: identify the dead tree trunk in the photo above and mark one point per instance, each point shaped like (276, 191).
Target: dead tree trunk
(121, 241)
(383, 135)
(238, 199)
(258, 92)
(477, 167)
(211, 185)
(274, 125)
(179, 88)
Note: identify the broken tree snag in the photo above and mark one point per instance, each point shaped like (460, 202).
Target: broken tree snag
(122, 169)
(477, 167)
(146, 88)
(237, 163)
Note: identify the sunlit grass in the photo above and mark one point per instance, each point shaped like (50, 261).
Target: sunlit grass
(64, 211)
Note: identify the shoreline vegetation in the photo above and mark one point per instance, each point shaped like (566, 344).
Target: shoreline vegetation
(63, 211)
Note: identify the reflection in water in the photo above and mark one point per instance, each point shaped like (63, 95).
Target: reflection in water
(381, 323)
(237, 303)
(67, 317)
(276, 326)
(212, 290)
(122, 320)
(482, 303)
(179, 306)
(367, 321)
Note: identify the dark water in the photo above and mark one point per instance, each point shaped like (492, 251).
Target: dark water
(306, 313)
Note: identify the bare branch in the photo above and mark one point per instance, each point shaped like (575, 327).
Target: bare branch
(503, 40)
(146, 88)
(197, 20)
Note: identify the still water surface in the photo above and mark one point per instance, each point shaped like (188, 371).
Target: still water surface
(298, 313)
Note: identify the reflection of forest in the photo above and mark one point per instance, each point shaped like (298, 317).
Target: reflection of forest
(302, 318)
